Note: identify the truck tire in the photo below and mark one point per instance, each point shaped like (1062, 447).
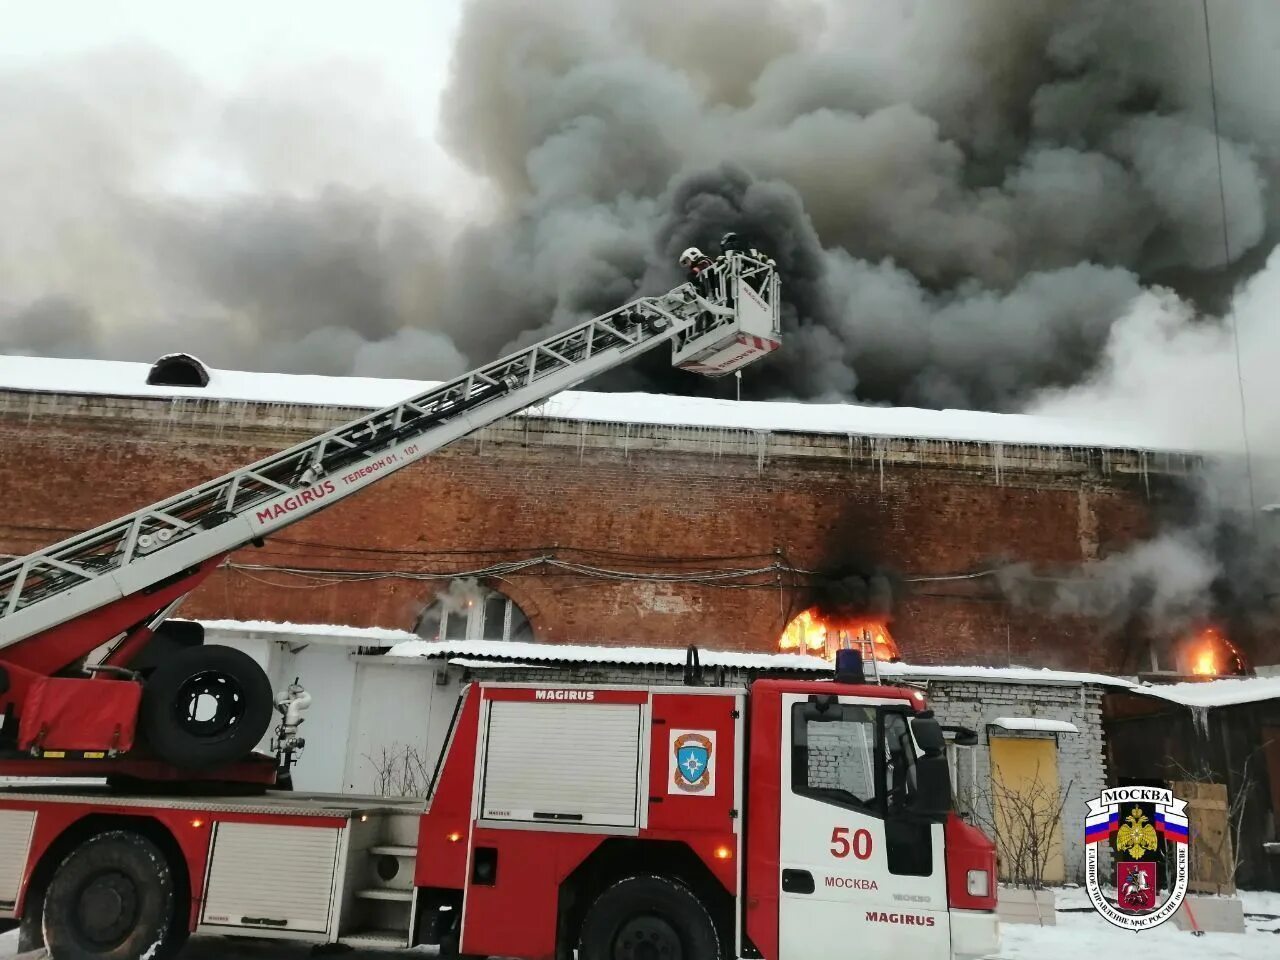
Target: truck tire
(205, 706)
(113, 898)
(648, 917)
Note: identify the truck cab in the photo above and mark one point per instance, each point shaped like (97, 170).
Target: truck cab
(868, 848)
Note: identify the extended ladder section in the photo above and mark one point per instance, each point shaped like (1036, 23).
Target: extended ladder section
(728, 320)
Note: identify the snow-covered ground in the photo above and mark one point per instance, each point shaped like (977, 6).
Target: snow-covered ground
(1079, 933)
(1082, 933)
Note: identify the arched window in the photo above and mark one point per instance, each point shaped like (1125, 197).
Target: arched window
(469, 611)
(813, 632)
(178, 370)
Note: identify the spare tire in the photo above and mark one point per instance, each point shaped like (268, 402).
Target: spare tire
(205, 706)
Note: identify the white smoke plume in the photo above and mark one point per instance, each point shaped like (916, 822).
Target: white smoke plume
(458, 597)
(1178, 379)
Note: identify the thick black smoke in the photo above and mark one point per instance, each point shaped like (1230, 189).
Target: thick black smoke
(998, 204)
(965, 197)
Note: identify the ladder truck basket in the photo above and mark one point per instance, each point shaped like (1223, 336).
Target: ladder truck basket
(743, 330)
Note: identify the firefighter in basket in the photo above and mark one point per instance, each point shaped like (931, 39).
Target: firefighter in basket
(697, 265)
(701, 274)
(732, 243)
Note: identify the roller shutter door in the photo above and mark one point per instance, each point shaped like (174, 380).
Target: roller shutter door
(271, 877)
(562, 763)
(16, 827)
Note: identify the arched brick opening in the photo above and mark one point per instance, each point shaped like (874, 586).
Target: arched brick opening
(814, 632)
(472, 609)
(178, 370)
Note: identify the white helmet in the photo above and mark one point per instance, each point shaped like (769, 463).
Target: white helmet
(690, 255)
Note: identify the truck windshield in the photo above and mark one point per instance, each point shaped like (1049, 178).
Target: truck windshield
(835, 751)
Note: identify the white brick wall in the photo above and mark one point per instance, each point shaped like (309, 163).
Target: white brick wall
(1081, 763)
(840, 757)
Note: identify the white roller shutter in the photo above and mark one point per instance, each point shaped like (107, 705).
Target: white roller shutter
(271, 877)
(575, 763)
(15, 844)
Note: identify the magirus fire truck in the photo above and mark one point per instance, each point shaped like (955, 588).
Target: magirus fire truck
(787, 819)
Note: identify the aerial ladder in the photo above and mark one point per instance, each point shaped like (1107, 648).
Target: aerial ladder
(96, 680)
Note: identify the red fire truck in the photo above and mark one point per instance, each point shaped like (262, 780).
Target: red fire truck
(789, 820)
(781, 820)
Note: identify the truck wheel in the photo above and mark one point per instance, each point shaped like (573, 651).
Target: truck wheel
(205, 706)
(113, 898)
(648, 918)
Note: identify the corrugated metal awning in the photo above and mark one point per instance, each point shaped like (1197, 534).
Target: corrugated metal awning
(515, 652)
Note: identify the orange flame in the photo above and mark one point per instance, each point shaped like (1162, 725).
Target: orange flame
(810, 632)
(1210, 654)
(1205, 663)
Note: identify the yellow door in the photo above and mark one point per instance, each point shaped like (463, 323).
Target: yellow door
(1026, 808)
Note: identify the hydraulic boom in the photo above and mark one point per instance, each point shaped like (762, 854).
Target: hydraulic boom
(82, 611)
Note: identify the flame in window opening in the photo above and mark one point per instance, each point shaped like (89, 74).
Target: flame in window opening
(811, 632)
(1210, 654)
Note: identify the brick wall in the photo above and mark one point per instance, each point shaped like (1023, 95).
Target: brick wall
(529, 485)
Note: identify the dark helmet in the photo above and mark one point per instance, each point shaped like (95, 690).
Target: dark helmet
(730, 241)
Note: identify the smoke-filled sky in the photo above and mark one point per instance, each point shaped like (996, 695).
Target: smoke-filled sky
(1001, 204)
(970, 199)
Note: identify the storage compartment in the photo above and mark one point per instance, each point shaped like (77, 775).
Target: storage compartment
(77, 714)
(16, 828)
(268, 877)
(572, 763)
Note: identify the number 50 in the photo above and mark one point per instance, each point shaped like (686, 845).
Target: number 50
(842, 845)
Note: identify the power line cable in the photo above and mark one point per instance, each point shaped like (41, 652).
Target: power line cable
(1226, 262)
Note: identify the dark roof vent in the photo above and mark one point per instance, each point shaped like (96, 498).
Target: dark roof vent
(178, 370)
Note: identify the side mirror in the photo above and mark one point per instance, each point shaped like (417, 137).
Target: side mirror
(933, 788)
(964, 737)
(928, 733)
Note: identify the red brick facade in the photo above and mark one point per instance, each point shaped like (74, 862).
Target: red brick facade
(537, 486)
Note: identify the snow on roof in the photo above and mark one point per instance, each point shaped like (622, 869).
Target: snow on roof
(998, 674)
(1215, 693)
(494, 664)
(375, 636)
(402, 643)
(1037, 724)
(126, 379)
(1202, 694)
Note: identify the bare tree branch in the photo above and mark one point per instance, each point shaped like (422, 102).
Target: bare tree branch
(400, 772)
(1025, 821)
